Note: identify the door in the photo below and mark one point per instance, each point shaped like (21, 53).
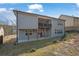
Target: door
(1, 39)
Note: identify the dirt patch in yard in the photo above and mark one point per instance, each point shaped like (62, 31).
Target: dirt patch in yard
(9, 39)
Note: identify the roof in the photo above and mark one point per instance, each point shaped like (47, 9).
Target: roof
(32, 13)
(68, 16)
(36, 14)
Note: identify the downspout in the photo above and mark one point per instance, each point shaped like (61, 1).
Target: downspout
(17, 26)
(74, 23)
(50, 28)
(64, 28)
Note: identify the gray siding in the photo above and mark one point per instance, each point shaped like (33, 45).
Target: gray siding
(22, 37)
(27, 21)
(56, 26)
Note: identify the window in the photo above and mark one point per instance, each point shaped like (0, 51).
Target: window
(30, 33)
(58, 31)
(60, 23)
(40, 24)
(26, 34)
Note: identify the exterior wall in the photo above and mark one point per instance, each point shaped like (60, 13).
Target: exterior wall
(56, 25)
(22, 37)
(76, 22)
(71, 23)
(26, 21)
(68, 20)
(1, 31)
(57, 28)
(44, 27)
(1, 35)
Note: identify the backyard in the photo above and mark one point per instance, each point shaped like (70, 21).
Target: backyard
(67, 46)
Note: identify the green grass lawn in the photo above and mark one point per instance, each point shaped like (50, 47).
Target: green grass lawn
(47, 47)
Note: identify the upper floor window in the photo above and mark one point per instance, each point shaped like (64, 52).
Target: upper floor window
(60, 23)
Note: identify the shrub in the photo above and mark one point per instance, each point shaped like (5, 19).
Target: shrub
(55, 41)
(33, 50)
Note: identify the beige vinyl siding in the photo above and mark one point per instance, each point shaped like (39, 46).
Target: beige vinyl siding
(68, 21)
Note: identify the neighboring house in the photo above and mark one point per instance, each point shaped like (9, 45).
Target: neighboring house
(1, 31)
(32, 27)
(1, 35)
(71, 22)
(8, 29)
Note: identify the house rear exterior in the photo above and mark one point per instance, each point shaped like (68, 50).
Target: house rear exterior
(71, 22)
(32, 27)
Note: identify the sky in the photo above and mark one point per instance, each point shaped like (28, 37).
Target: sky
(49, 9)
